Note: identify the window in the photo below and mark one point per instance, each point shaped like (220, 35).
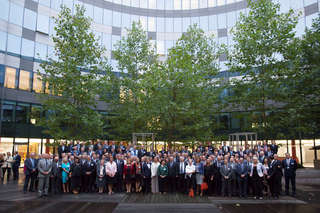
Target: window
(160, 24)
(185, 24)
(89, 10)
(221, 2)
(55, 4)
(14, 44)
(43, 24)
(212, 3)
(3, 40)
(177, 25)
(169, 25)
(194, 4)
(144, 3)
(10, 78)
(160, 4)
(135, 3)
(160, 47)
(203, 3)
(126, 20)
(231, 19)
(116, 19)
(126, 2)
(151, 24)
(144, 22)
(222, 21)
(4, 9)
(177, 4)
(107, 17)
(16, 14)
(24, 80)
(98, 15)
(186, 4)
(297, 4)
(68, 3)
(7, 112)
(152, 4)
(45, 2)
(27, 48)
(169, 44)
(195, 20)
(41, 51)
(37, 83)
(169, 4)
(204, 23)
(30, 19)
(22, 112)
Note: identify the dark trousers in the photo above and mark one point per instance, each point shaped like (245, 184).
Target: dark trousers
(226, 187)
(275, 185)
(162, 184)
(15, 171)
(55, 185)
(217, 184)
(182, 183)
(292, 179)
(257, 186)
(86, 183)
(119, 184)
(172, 181)
(30, 177)
(190, 182)
(243, 185)
(8, 173)
(147, 185)
(233, 183)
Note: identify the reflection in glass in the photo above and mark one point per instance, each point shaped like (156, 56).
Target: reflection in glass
(3, 40)
(151, 24)
(43, 24)
(22, 111)
(10, 78)
(7, 112)
(37, 83)
(27, 48)
(4, 9)
(14, 44)
(24, 80)
(177, 4)
(30, 19)
(16, 14)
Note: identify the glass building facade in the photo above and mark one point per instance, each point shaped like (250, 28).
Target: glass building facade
(26, 26)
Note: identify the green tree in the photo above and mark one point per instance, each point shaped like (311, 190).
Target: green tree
(135, 57)
(262, 39)
(183, 95)
(73, 77)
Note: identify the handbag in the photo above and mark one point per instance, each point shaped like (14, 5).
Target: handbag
(191, 193)
(204, 186)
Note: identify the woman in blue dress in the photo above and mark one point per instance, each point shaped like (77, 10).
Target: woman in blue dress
(65, 173)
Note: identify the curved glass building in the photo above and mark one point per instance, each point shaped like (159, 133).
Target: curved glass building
(26, 26)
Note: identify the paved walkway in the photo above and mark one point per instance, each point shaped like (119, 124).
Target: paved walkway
(308, 201)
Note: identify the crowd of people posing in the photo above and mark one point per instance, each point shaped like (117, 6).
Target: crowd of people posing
(205, 171)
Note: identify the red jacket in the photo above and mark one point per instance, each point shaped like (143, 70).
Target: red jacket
(131, 169)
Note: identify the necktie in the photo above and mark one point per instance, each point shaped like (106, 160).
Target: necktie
(46, 164)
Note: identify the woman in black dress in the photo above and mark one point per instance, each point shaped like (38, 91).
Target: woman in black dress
(75, 174)
(128, 174)
(209, 175)
(101, 174)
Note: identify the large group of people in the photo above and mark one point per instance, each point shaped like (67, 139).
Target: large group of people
(204, 171)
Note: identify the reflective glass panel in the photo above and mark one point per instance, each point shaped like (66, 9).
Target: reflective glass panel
(14, 44)
(16, 14)
(30, 19)
(10, 78)
(37, 83)
(24, 80)
(43, 24)
(4, 9)
(27, 48)
(3, 40)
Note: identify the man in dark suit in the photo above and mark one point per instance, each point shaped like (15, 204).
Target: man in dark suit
(16, 165)
(142, 152)
(225, 148)
(146, 174)
(290, 166)
(119, 173)
(56, 175)
(274, 147)
(226, 174)
(172, 175)
(275, 175)
(30, 173)
(62, 149)
(242, 176)
(182, 175)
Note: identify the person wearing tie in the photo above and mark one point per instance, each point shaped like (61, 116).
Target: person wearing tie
(146, 174)
(226, 173)
(242, 176)
(172, 175)
(181, 176)
(55, 176)
(290, 166)
(44, 167)
(119, 176)
(30, 173)
(275, 175)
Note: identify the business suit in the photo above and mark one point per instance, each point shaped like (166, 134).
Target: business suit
(62, 149)
(275, 173)
(146, 175)
(44, 167)
(172, 176)
(30, 174)
(290, 167)
(233, 179)
(15, 166)
(242, 176)
(56, 177)
(226, 173)
(181, 166)
(119, 175)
